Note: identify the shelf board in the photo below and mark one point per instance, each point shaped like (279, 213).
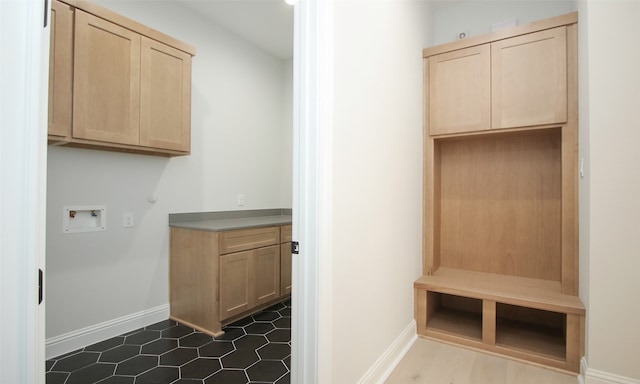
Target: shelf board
(526, 292)
(458, 323)
(530, 338)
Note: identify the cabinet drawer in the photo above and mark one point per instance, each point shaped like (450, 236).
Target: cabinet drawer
(244, 239)
(285, 233)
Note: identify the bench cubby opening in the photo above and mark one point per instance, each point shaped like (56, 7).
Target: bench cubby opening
(455, 315)
(531, 330)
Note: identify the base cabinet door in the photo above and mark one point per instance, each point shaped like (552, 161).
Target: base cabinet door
(285, 269)
(248, 279)
(235, 282)
(266, 266)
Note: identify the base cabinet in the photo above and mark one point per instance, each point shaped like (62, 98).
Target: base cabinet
(218, 277)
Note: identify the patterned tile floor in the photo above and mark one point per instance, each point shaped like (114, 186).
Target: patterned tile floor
(256, 349)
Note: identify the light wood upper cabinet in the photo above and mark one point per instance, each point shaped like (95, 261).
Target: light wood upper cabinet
(529, 79)
(60, 69)
(107, 81)
(165, 97)
(460, 91)
(513, 82)
(130, 85)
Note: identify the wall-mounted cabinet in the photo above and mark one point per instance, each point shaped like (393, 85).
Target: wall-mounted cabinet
(508, 83)
(116, 84)
(60, 70)
(500, 257)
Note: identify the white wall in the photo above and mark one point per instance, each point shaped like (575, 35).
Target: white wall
(376, 226)
(286, 173)
(611, 117)
(477, 17)
(240, 144)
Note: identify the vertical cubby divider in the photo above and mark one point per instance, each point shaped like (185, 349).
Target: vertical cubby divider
(489, 322)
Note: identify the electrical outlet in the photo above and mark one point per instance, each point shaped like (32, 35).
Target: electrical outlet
(241, 200)
(127, 219)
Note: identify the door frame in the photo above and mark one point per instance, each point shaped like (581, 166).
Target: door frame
(24, 42)
(313, 103)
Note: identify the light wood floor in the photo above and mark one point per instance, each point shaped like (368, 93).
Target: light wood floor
(437, 363)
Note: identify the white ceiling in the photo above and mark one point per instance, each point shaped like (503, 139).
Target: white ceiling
(267, 24)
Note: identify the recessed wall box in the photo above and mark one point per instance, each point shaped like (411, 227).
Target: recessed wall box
(84, 218)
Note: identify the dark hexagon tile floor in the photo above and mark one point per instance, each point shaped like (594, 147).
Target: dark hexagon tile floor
(256, 349)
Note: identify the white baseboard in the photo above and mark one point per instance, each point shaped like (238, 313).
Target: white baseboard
(71, 341)
(388, 361)
(594, 376)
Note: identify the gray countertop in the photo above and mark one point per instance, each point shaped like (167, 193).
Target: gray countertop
(228, 220)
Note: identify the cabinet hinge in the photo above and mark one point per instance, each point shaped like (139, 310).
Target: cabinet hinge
(295, 247)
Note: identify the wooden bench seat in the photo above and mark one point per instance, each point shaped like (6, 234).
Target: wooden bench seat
(531, 293)
(526, 319)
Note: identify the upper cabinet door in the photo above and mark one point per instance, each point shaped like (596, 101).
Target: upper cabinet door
(529, 79)
(460, 91)
(106, 105)
(165, 97)
(60, 69)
